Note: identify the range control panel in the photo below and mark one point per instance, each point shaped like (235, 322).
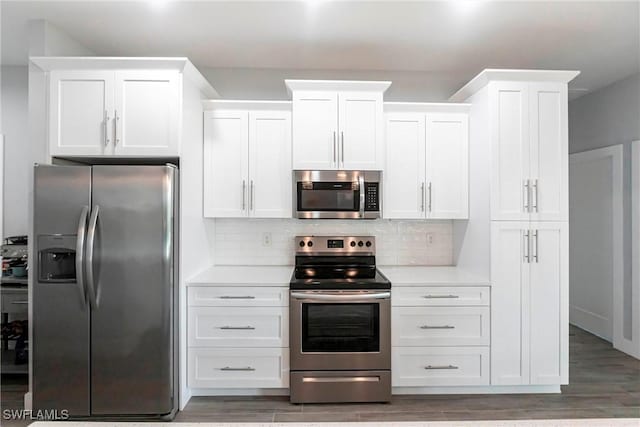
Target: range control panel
(345, 245)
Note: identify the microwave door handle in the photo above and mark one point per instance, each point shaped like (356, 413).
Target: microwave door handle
(361, 183)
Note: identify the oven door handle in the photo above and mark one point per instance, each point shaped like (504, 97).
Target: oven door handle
(336, 297)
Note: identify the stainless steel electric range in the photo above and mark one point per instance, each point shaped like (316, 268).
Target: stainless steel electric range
(340, 322)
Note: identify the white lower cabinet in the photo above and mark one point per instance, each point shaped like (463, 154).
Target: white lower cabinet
(440, 366)
(440, 336)
(420, 326)
(238, 367)
(238, 337)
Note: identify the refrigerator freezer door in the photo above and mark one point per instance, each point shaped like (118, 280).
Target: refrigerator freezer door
(60, 322)
(132, 323)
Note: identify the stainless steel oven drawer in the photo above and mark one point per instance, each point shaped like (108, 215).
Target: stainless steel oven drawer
(340, 386)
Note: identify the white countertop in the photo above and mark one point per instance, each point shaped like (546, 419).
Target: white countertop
(254, 275)
(281, 275)
(419, 275)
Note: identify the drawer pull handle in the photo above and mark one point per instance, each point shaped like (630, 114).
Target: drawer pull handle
(241, 328)
(237, 297)
(440, 296)
(228, 368)
(19, 302)
(431, 367)
(437, 327)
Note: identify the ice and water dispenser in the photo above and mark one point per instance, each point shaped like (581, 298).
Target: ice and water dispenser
(57, 258)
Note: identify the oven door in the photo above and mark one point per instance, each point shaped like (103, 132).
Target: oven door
(340, 330)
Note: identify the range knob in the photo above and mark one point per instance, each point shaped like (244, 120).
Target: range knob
(353, 243)
(368, 244)
(301, 243)
(360, 243)
(309, 243)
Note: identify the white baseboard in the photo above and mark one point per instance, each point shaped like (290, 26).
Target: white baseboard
(591, 322)
(240, 392)
(485, 389)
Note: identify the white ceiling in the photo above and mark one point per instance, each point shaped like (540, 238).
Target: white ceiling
(602, 39)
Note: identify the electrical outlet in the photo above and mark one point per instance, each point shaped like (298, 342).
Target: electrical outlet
(429, 239)
(266, 239)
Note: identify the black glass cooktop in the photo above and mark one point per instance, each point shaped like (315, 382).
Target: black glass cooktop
(337, 272)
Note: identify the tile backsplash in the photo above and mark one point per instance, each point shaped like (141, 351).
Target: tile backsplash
(270, 241)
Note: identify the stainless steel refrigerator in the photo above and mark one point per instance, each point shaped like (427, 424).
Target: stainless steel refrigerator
(104, 322)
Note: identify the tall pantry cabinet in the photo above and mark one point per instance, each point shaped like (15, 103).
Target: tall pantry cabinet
(524, 128)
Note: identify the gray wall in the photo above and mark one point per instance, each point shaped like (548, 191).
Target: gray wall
(16, 149)
(611, 116)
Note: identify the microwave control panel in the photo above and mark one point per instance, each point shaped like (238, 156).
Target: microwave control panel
(371, 196)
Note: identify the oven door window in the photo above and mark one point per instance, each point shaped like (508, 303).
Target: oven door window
(335, 328)
(328, 197)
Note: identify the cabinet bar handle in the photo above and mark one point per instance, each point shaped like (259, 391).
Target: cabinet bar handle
(525, 242)
(244, 195)
(440, 296)
(237, 297)
(534, 199)
(437, 327)
(525, 187)
(106, 128)
(430, 367)
(229, 368)
(535, 246)
(422, 195)
(251, 196)
(342, 139)
(19, 302)
(239, 328)
(116, 118)
(334, 148)
(429, 197)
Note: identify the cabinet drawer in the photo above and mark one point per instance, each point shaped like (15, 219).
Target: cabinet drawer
(440, 295)
(439, 366)
(238, 326)
(238, 367)
(15, 301)
(238, 296)
(427, 326)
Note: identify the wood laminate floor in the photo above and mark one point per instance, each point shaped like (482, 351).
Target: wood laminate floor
(604, 383)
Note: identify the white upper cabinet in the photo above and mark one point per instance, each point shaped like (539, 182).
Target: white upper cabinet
(270, 164)
(530, 151)
(81, 105)
(247, 166)
(426, 173)
(315, 130)
(226, 163)
(337, 124)
(127, 113)
(447, 163)
(529, 303)
(361, 130)
(549, 138)
(147, 113)
(404, 174)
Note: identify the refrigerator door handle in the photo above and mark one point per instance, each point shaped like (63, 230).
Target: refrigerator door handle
(80, 240)
(91, 237)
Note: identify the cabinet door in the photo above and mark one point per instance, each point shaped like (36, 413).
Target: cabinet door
(270, 176)
(509, 302)
(447, 166)
(147, 113)
(510, 150)
(80, 111)
(404, 180)
(226, 140)
(361, 129)
(315, 130)
(549, 306)
(549, 151)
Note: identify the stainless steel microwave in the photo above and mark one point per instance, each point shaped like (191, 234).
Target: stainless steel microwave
(337, 194)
